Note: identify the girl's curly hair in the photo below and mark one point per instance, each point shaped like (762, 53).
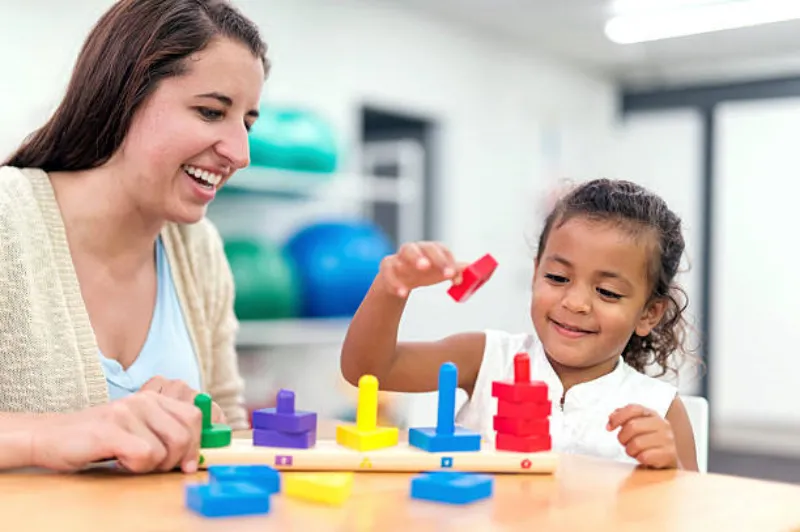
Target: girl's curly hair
(637, 210)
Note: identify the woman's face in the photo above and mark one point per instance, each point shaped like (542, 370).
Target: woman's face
(190, 135)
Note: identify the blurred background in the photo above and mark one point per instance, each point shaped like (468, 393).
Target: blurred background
(386, 121)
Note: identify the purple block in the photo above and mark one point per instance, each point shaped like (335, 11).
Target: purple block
(284, 417)
(291, 440)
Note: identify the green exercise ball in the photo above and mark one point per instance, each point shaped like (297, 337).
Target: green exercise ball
(293, 139)
(267, 286)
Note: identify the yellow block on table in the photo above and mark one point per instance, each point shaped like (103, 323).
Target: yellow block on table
(328, 488)
(366, 435)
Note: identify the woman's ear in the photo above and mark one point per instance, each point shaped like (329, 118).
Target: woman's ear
(651, 316)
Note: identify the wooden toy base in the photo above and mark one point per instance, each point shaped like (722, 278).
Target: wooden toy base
(327, 455)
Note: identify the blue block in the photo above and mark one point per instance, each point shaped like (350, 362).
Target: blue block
(452, 487)
(261, 476)
(226, 499)
(428, 440)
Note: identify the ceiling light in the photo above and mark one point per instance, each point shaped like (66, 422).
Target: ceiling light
(692, 20)
(628, 6)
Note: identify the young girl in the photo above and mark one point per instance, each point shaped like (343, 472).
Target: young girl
(604, 308)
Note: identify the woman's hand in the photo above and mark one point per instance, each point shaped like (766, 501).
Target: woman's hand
(177, 389)
(144, 432)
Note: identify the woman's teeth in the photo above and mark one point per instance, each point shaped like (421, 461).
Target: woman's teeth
(204, 176)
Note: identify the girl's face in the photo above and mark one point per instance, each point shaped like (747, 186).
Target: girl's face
(190, 135)
(591, 292)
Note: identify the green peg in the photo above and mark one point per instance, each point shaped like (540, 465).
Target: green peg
(214, 434)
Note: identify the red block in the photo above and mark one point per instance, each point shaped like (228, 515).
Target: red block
(522, 444)
(522, 389)
(533, 392)
(473, 277)
(522, 427)
(539, 410)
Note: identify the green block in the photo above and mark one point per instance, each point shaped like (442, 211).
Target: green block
(214, 434)
(217, 436)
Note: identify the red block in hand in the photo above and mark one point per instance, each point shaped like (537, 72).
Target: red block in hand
(522, 427)
(522, 389)
(473, 277)
(507, 409)
(522, 444)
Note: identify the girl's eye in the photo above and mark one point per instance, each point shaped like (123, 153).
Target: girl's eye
(556, 278)
(608, 293)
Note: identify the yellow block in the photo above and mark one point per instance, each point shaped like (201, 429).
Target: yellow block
(366, 435)
(366, 440)
(328, 488)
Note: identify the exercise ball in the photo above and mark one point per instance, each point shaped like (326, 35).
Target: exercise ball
(266, 283)
(293, 139)
(336, 262)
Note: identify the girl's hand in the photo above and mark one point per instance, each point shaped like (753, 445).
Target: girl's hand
(646, 436)
(418, 264)
(144, 432)
(177, 389)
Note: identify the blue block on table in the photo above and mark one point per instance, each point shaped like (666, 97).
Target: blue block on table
(226, 499)
(459, 440)
(452, 487)
(262, 476)
(284, 417)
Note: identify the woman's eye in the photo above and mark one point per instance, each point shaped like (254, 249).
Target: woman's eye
(209, 114)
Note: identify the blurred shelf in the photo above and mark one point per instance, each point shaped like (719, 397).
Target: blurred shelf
(288, 184)
(292, 332)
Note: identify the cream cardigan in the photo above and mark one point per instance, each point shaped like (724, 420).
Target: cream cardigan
(48, 353)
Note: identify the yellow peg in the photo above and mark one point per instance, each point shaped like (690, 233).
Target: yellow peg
(365, 435)
(367, 410)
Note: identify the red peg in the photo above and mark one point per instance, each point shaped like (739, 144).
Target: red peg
(522, 368)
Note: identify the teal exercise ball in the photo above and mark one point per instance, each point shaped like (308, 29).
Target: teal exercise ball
(336, 262)
(266, 283)
(293, 139)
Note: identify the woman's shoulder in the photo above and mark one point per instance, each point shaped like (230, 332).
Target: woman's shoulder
(17, 184)
(25, 201)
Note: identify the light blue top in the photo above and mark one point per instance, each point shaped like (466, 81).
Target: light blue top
(167, 351)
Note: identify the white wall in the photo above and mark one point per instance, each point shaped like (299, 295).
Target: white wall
(663, 151)
(756, 290)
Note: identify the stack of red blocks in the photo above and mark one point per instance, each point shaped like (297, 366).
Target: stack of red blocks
(522, 423)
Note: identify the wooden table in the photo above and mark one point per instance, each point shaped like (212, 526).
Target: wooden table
(584, 494)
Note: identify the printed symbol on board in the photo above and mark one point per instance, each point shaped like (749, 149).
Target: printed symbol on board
(366, 464)
(447, 461)
(284, 460)
(526, 464)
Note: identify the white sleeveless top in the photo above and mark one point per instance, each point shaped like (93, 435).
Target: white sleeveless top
(580, 426)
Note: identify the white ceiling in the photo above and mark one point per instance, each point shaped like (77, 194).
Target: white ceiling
(573, 31)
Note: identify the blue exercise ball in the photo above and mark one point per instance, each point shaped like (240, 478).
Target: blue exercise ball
(336, 263)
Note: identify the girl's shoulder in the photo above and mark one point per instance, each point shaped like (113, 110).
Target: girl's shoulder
(647, 390)
(504, 344)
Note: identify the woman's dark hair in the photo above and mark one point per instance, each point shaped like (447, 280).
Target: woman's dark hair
(135, 45)
(641, 212)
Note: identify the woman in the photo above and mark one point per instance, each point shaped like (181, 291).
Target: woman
(116, 300)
